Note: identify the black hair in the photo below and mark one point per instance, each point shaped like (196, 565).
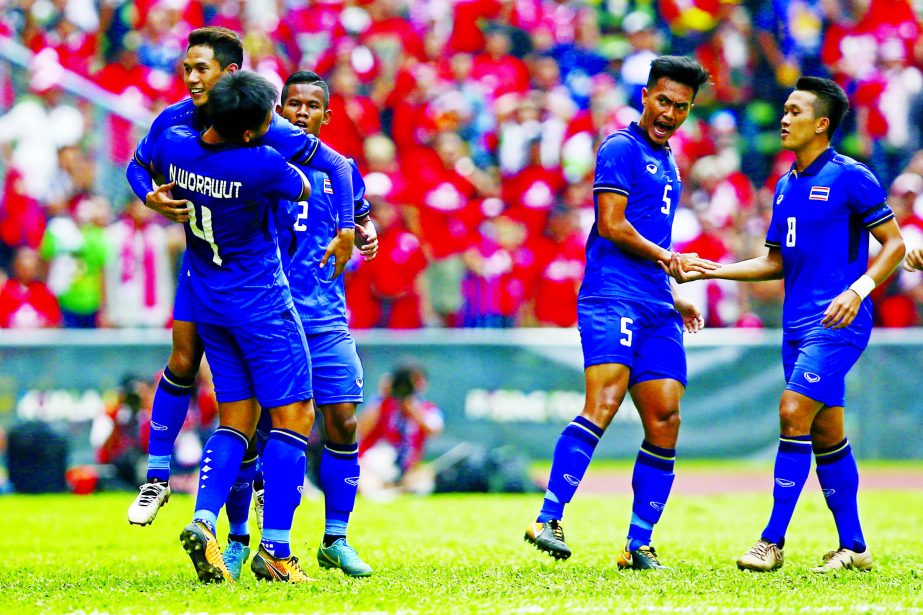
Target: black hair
(224, 43)
(310, 78)
(240, 101)
(402, 382)
(832, 102)
(681, 69)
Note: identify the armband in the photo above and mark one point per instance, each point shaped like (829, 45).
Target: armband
(863, 286)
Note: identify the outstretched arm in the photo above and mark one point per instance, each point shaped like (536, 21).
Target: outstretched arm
(768, 267)
(614, 226)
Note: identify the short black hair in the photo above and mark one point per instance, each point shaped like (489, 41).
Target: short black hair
(681, 69)
(832, 102)
(224, 43)
(240, 101)
(310, 78)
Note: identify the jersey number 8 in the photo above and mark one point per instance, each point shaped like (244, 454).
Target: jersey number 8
(790, 235)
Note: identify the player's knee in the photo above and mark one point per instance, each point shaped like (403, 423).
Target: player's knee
(668, 422)
(343, 425)
(184, 360)
(792, 419)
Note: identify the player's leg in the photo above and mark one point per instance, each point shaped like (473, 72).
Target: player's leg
(223, 452)
(657, 402)
(658, 381)
(790, 472)
(606, 385)
(237, 509)
(839, 479)
(607, 360)
(281, 372)
(338, 380)
(168, 412)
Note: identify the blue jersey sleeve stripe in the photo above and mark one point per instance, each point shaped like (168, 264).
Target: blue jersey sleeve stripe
(604, 188)
(310, 155)
(880, 221)
(772, 244)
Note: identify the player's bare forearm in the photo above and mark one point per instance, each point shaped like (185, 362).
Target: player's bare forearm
(891, 253)
(757, 269)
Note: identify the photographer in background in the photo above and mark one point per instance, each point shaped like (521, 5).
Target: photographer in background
(393, 430)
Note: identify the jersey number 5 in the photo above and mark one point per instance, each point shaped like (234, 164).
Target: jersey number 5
(626, 329)
(205, 232)
(666, 199)
(790, 235)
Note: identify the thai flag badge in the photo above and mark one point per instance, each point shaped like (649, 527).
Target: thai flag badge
(328, 187)
(819, 193)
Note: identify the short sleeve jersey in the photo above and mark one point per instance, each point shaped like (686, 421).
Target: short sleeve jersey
(235, 269)
(820, 222)
(629, 164)
(305, 228)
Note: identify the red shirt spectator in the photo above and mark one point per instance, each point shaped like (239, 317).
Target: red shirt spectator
(562, 266)
(25, 300)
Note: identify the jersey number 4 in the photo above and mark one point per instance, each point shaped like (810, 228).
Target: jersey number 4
(204, 232)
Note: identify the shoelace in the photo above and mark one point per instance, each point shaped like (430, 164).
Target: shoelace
(557, 530)
(832, 555)
(761, 549)
(651, 554)
(150, 493)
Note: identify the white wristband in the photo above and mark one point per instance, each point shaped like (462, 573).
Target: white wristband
(863, 286)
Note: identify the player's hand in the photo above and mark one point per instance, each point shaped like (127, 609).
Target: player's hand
(367, 240)
(689, 266)
(341, 249)
(161, 200)
(693, 321)
(842, 310)
(914, 260)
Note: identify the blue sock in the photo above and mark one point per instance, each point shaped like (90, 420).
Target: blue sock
(572, 456)
(339, 480)
(237, 507)
(651, 482)
(221, 461)
(839, 479)
(168, 412)
(284, 466)
(793, 464)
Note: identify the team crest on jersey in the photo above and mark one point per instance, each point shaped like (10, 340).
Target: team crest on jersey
(819, 193)
(652, 168)
(328, 187)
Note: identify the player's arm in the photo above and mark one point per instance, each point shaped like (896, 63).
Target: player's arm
(614, 226)
(761, 268)
(842, 310)
(693, 321)
(366, 234)
(140, 178)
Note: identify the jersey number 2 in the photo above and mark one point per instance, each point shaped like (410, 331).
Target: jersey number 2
(205, 232)
(666, 199)
(790, 235)
(299, 225)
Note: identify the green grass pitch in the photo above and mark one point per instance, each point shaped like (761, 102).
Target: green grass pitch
(463, 554)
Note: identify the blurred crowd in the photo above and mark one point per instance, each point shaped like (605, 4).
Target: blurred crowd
(475, 124)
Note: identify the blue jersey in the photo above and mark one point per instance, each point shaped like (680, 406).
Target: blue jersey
(320, 301)
(820, 223)
(630, 165)
(235, 269)
(289, 140)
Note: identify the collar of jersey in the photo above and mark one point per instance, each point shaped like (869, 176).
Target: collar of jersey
(639, 132)
(819, 162)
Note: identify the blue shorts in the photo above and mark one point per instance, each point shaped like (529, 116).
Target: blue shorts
(182, 304)
(647, 338)
(267, 360)
(335, 368)
(817, 366)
